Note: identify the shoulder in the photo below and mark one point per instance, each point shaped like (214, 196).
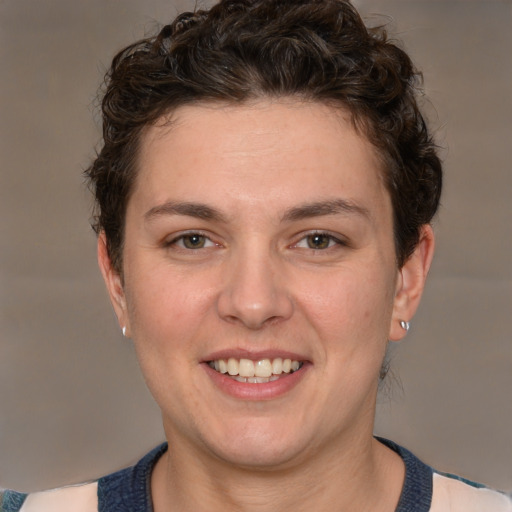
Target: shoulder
(79, 498)
(455, 494)
(127, 490)
(428, 490)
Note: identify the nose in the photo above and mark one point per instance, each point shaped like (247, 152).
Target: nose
(254, 291)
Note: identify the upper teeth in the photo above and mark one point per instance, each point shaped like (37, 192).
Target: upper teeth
(260, 368)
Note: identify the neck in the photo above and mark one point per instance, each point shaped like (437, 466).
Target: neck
(362, 475)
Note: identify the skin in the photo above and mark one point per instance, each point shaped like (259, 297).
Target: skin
(257, 285)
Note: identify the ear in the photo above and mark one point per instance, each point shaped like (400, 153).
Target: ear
(411, 282)
(114, 284)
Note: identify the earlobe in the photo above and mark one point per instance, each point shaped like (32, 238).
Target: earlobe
(114, 284)
(411, 283)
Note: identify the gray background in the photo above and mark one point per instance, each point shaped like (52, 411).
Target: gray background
(73, 405)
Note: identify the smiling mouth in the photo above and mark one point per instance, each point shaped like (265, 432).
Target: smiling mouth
(255, 372)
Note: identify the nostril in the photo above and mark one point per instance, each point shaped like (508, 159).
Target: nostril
(253, 293)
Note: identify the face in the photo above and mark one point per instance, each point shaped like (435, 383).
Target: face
(259, 243)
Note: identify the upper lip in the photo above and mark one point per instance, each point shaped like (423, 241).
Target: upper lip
(239, 353)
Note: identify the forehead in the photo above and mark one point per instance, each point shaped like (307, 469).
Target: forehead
(264, 153)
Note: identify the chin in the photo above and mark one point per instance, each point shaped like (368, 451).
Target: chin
(259, 445)
(255, 456)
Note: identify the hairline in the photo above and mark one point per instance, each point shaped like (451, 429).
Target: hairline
(166, 118)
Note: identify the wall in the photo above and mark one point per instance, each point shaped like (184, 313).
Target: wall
(73, 405)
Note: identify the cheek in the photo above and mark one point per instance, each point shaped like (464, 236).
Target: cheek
(167, 312)
(348, 298)
(167, 308)
(350, 310)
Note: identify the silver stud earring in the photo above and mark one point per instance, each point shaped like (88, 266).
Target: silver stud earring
(405, 325)
(123, 330)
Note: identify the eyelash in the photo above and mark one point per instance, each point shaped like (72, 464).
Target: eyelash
(332, 241)
(182, 237)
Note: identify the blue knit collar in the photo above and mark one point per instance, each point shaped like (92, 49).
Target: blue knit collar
(129, 490)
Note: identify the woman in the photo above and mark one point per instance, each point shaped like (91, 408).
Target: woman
(264, 196)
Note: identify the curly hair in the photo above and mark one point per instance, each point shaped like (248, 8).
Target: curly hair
(243, 50)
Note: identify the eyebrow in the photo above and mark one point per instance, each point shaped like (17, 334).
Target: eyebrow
(197, 210)
(305, 211)
(321, 208)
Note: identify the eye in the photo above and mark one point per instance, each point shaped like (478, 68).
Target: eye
(318, 241)
(192, 241)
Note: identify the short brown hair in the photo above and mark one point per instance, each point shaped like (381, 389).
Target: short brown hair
(241, 50)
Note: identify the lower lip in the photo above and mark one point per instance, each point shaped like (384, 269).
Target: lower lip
(260, 391)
